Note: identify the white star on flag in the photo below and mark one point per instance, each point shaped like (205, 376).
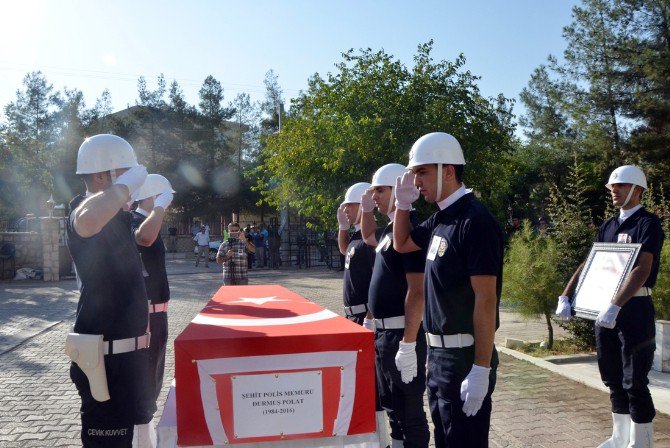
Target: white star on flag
(259, 300)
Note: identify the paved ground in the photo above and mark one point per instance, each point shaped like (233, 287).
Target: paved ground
(533, 407)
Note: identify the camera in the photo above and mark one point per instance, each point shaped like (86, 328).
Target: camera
(233, 236)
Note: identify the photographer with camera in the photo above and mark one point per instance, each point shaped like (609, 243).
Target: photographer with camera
(232, 255)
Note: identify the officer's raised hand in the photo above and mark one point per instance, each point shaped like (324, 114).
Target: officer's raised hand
(563, 310)
(405, 191)
(342, 221)
(164, 199)
(607, 317)
(405, 361)
(366, 201)
(474, 388)
(133, 179)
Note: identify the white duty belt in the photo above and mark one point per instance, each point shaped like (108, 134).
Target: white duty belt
(356, 309)
(158, 307)
(459, 340)
(390, 323)
(127, 345)
(643, 292)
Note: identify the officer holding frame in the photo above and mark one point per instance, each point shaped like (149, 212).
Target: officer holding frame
(625, 329)
(463, 281)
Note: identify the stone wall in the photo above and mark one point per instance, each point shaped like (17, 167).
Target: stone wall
(50, 232)
(28, 251)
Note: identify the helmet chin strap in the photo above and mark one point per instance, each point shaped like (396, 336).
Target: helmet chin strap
(438, 193)
(359, 214)
(391, 200)
(630, 195)
(112, 174)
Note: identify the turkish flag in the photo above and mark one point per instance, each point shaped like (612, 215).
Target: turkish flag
(261, 363)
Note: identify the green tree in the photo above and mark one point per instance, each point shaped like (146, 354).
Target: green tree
(368, 113)
(647, 76)
(532, 281)
(592, 71)
(573, 232)
(29, 137)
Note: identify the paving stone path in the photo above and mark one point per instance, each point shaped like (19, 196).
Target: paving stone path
(39, 405)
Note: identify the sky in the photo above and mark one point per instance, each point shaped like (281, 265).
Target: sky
(94, 45)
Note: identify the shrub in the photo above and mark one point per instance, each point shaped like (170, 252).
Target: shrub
(531, 280)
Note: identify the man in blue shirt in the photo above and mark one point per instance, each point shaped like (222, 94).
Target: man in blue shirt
(625, 329)
(463, 280)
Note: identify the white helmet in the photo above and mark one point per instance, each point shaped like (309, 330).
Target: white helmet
(386, 175)
(354, 193)
(105, 152)
(436, 147)
(627, 174)
(154, 184)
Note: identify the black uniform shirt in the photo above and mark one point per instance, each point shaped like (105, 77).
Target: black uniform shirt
(641, 227)
(358, 265)
(113, 299)
(153, 264)
(388, 286)
(462, 240)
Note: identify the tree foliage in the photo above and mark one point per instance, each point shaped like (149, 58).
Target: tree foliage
(532, 281)
(368, 113)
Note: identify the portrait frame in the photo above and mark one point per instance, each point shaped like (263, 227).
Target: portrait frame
(605, 270)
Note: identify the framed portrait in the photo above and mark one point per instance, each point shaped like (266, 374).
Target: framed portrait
(604, 272)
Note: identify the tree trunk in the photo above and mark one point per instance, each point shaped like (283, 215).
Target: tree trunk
(550, 331)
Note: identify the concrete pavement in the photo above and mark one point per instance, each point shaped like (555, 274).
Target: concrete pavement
(535, 405)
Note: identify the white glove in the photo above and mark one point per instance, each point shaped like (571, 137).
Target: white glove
(342, 219)
(369, 324)
(474, 388)
(366, 201)
(405, 191)
(164, 199)
(405, 361)
(563, 310)
(607, 317)
(133, 179)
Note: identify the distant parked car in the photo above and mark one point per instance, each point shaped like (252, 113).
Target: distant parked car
(213, 249)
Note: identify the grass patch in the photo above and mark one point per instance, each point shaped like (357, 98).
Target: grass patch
(561, 347)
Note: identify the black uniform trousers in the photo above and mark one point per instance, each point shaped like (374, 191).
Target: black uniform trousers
(625, 355)
(402, 402)
(447, 368)
(158, 325)
(110, 423)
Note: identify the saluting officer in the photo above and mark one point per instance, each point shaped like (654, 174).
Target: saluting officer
(358, 264)
(359, 257)
(395, 300)
(113, 301)
(154, 198)
(625, 329)
(462, 289)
